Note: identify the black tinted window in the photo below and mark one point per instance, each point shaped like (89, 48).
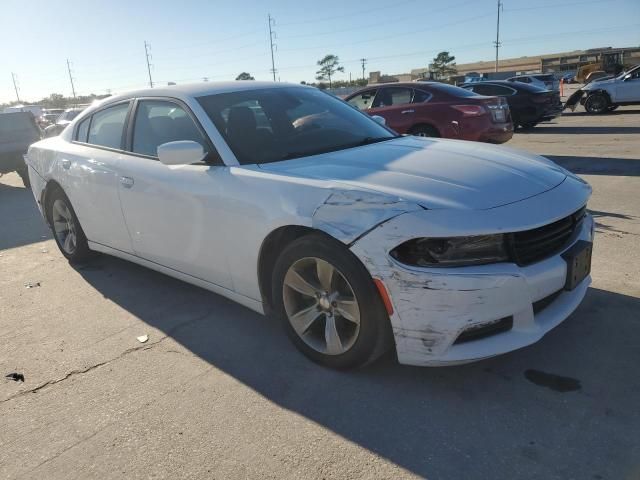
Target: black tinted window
(107, 126)
(159, 122)
(272, 124)
(494, 90)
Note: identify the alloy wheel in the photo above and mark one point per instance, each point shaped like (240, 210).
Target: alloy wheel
(64, 227)
(321, 306)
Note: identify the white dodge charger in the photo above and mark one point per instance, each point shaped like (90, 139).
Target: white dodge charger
(287, 200)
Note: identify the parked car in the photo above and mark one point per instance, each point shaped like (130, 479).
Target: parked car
(62, 121)
(529, 105)
(546, 81)
(433, 109)
(606, 95)
(49, 116)
(18, 130)
(35, 110)
(356, 237)
(569, 77)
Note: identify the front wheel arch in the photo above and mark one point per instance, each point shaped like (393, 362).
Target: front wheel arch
(272, 245)
(425, 126)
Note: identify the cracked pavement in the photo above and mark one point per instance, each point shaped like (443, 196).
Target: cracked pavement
(219, 392)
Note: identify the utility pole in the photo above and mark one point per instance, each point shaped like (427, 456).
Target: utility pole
(272, 35)
(147, 53)
(73, 88)
(364, 62)
(497, 42)
(15, 86)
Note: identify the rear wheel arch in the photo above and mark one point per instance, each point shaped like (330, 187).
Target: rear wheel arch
(51, 186)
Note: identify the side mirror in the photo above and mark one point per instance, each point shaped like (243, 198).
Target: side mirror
(183, 152)
(379, 119)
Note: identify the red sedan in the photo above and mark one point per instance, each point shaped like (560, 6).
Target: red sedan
(433, 109)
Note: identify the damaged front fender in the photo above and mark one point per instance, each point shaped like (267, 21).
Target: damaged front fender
(347, 215)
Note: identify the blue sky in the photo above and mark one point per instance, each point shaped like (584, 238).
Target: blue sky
(191, 39)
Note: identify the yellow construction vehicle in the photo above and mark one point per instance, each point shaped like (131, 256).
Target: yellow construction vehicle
(610, 63)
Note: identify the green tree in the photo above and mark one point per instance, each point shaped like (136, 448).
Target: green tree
(245, 76)
(329, 65)
(443, 66)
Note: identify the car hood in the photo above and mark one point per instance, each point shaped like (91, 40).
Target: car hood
(598, 83)
(433, 173)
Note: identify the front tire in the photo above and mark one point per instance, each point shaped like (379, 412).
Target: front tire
(424, 131)
(66, 228)
(596, 103)
(329, 304)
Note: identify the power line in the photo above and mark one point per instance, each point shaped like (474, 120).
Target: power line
(385, 22)
(387, 37)
(272, 34)
(147, 47)
(15, 86)
(497, 42)
(358, 12)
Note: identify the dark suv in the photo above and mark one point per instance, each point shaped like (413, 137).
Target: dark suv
(18, 130)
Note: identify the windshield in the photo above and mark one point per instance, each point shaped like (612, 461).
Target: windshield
(273, 124)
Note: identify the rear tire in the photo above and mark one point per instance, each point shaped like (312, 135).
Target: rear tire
(66, 228)
(596, 103)
(336, 319)
(424, 131)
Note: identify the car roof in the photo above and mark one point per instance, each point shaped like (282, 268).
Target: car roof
(507, 83)
(200, 89)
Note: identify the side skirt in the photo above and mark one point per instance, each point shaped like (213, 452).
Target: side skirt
(254, 305)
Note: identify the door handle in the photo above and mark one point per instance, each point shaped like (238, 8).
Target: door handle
(407, 111)
(127, 182)
(66, 163)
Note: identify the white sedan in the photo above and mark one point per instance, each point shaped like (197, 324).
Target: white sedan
(289, 201)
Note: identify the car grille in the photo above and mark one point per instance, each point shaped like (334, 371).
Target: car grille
(531, 246)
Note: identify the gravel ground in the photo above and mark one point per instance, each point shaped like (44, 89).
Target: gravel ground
(218, 391)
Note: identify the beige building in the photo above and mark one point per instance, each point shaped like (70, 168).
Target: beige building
(553, 62)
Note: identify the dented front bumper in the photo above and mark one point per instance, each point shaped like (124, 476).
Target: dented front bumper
(432, 307)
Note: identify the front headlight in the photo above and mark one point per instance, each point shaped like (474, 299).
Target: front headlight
(452, 252)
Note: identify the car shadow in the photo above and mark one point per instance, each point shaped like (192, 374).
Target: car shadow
(21, 220)
(492, 419)
(629, 167)
(543, 129)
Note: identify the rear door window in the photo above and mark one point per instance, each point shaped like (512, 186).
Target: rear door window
(392, 96)
(364, 100)
(107, 126)
(420, 96)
